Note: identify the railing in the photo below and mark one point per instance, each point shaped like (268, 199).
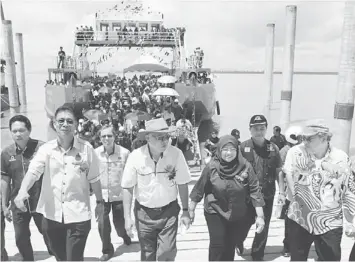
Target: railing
(69, 63)
(89, 36)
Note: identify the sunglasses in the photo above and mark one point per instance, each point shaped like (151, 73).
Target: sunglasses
(162, 138)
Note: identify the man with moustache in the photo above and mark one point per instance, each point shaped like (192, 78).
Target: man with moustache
(15, 160)
(112, 159)
(156, 172)
(265, 159)
(68, 165)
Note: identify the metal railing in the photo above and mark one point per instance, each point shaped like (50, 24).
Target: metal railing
(88, 36)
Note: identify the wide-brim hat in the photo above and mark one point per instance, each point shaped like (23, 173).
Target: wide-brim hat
(157, 126)
(315, 127)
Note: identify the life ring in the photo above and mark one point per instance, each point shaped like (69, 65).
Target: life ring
(218, 108)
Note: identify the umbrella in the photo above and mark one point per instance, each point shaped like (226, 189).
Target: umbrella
(166, 91)
(167, 80)
(146, 68)
(138, 116)
(95, 114)
(105, 90)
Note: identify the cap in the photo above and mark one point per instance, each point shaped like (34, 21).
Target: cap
(315, 127)
(235, 132)
(292, 134)
(258, 120)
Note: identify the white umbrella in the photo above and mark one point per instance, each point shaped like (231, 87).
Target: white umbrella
(165, 91)
(167, 79)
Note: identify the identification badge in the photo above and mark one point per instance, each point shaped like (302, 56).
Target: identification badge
(247, 149)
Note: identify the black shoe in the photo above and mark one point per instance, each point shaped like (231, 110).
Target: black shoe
(127, 240)
(106, 257)
(4, 256)
(258, 258)
(286, 253)
(239, 249)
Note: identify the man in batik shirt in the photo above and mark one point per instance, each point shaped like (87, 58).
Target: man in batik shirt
(322, 186)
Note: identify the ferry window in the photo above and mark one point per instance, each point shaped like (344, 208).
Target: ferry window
(155, 27)
(116, 27)
(143, 27)
(131, 27)
(104, 27)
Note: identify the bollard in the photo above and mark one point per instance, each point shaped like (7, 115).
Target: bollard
(21, 79)
(287, 74)
(10, 71)
(269, 68)
(344, 100)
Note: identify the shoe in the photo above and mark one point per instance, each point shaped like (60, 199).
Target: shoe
(127, 240)
(106, 257)
(286, 253)
(258, 258)
(4, 256)
(239, 249)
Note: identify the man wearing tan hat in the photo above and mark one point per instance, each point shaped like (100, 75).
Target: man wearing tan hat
(322, 186)
(156, 172)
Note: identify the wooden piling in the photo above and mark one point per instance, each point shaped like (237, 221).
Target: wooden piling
(20, 73)
(10, 71)
(269, 68)
(344, 103)
(288, 65)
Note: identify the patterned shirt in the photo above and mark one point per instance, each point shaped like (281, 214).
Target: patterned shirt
(65, 196)
(321, 197)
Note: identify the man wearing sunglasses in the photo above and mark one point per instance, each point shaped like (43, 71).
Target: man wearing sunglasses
(322, 195)
(157, 172)
(112, 159)
(68, 165)
(15, 160)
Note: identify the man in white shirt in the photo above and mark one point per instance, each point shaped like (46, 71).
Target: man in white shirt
(168, 114)
(156, 172)
(112, 159)
(69, 166)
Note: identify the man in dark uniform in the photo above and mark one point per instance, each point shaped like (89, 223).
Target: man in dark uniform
(265, 158)
(61, 58)
(15, 160)
(278, 138)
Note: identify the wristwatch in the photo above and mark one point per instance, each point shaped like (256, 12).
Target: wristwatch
(185, 209)
(98, 202)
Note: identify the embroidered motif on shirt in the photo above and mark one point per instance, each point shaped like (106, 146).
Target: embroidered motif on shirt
(12, 158)
(247, 149)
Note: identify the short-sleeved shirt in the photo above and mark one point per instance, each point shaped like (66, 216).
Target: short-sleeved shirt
(322, 198)
(65, 196)
(155, 183)
(111, 169)
(14, 164)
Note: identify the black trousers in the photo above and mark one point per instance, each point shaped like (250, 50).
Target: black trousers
(223, 237)
(352, 254)
(259, 243)
(67, 241)
(285, 217)
(4, 256)
(105, 225)
(327, 245)
(21, 222)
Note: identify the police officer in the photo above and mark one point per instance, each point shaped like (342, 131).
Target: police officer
(265, 158)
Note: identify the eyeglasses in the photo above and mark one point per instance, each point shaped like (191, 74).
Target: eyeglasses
(162, 138)
(63, 120)
(106, 136)
(232, 150)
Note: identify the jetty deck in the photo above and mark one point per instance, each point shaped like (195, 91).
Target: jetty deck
(191, 246)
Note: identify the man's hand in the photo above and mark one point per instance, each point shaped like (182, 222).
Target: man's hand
(260, 224)
(128, 224)
(350, 231)
(281, 199)
(185, 219)
(7, 213)
(99, 211)
(192, 215)
(20, 200)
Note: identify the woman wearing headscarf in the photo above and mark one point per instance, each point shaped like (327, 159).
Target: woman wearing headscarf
(227, 183)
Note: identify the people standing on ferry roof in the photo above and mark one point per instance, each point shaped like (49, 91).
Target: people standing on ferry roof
(15, 160)
(112, 159)
(322, 186)
(226, 183)
(61, 57)
(156, 172)
(68, 166)
(264, 157)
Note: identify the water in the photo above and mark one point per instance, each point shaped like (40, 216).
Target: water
(240, 97)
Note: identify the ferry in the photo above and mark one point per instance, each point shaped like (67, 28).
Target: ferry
(194, 84)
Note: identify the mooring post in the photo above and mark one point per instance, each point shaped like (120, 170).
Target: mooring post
(21, 78)
(344, 100)
(10, 71)
(269, 68)
(289, 54)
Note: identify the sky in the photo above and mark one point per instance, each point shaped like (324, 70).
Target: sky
(231, 33)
